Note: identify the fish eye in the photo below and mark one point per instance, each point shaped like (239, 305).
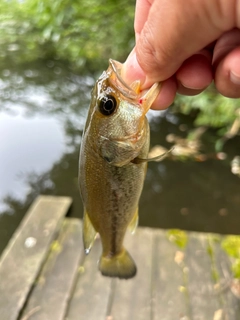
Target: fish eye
(107, 105)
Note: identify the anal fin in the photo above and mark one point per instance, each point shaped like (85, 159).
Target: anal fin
(89, 233)
(134, 223)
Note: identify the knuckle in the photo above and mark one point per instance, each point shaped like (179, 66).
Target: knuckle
(150, 53)
(154, 54)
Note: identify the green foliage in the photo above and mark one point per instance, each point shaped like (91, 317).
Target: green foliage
(77, 31)
(213, 109)
(179, 237)
(236, 269)
(231, 245)
(212, 239)
(13, 24)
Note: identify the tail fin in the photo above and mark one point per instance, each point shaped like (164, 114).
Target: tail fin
(121, 266)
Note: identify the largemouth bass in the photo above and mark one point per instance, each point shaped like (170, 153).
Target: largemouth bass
(112, 166)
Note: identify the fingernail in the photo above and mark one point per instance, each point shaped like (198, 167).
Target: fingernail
(235, 78)
(132, 61)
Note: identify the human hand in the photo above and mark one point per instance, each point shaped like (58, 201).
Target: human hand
(185, 44)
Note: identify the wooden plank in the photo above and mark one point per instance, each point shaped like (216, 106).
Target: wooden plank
(92, 291)
(204, 303)
(23, 257)
(169, 285)
(230, 303)
(132, 298)
(53, 287)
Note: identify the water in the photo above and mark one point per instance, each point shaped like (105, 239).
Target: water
(42, 113)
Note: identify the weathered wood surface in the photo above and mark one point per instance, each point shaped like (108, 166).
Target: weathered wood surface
(187, 282)
(92, 291)
(135, 292)
(169, 299)
(23, 257)
(200, 282)
(228, 294)
(51, 293)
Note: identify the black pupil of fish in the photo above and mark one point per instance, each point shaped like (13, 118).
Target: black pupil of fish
(108, 105)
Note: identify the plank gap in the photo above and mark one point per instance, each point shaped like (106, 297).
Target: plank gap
(153, 272)
(75, 283)
(111, 297)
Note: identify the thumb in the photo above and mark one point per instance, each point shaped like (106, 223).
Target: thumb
(173, 32)
(132, 71)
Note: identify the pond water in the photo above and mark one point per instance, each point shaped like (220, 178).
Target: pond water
(42, 113)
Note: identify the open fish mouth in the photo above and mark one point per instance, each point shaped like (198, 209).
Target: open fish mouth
(132, 92)
(117, 81)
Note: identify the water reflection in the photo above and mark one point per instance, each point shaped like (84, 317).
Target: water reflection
(42, 114)
(48, 89)
(43, 111)
(27, 144)
(41, 117)
(192, 196)
(59, 179)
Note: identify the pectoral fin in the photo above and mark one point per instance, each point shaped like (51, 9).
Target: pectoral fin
(134, 223)
(89, 233)
(157, 158)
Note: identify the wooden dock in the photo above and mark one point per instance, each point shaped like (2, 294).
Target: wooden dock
(45, 275)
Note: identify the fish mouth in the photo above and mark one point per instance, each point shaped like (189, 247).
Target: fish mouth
(132, 91)
(118, 82)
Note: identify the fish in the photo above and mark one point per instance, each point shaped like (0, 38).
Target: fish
(112, 166)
